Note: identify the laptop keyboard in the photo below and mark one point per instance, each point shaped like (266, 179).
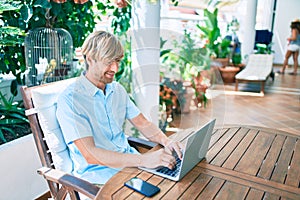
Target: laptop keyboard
(171, 172)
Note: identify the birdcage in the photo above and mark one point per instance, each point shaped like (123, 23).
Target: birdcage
(49, 55)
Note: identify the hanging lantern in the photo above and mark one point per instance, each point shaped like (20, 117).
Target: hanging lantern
(49, 55)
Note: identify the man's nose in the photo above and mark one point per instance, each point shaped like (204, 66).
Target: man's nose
(114, 67)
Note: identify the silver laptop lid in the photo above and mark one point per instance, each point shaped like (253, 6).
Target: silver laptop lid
(196, 147)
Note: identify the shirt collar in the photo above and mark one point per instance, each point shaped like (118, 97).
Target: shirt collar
(91, 89)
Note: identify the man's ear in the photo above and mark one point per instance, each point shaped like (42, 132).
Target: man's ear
(89, 60)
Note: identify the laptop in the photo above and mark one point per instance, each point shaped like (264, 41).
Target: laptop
(196, 147)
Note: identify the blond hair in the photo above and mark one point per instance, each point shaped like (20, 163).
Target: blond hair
(102, 46)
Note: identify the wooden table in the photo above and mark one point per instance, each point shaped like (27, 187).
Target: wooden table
(243, 162)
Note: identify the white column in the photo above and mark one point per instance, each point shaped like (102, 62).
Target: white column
(248, 28)
(145, 56)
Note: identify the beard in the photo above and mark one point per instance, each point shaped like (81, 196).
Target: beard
(108, 77)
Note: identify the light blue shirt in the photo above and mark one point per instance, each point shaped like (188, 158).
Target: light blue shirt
(297, 41)
(84, 110)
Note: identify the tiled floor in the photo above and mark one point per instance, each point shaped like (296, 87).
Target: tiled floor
(279, 108)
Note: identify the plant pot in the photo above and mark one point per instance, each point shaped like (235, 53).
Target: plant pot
(228, 73)
(220, 62)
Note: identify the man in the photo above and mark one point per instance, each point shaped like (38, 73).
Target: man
(92, 111)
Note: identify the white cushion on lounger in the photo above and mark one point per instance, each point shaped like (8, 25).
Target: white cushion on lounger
(258, 68)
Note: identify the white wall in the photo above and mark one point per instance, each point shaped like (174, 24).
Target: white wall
(286, 11)
(19, 179)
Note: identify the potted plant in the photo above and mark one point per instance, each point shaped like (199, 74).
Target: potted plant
(185, 63)
(218, 47)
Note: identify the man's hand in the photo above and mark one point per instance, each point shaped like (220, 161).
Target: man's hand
(158, 158)
(172, 146)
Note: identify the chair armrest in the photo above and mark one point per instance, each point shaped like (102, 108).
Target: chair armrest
(70, 184)
(140, 143)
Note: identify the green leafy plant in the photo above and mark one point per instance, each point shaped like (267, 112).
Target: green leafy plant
(12, 115)
(188, 60)
(77, 19)
(223, 49)
(218, 47)
(264, 49)
(18, 17)
(11, 40)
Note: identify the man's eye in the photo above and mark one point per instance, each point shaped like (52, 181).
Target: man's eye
(108, 63)
(112, 62)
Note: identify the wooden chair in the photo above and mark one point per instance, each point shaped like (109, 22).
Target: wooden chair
(61, 183)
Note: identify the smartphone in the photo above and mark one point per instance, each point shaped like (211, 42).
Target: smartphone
(142, 186)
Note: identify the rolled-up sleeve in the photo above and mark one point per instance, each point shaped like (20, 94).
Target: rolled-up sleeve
(131, 109)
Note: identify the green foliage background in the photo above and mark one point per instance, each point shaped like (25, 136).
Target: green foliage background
(18, 17)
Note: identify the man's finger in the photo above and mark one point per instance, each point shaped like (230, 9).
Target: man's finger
(168, 150)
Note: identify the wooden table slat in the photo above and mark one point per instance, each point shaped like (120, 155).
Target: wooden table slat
(240, 150)
(219, 144)
(293, 177)
(198, 185)
(182, 186)
(255, 154)
(255, 194)
(271, 158)
(270, 196)
(211, 189)
(216, 136)
(284, 160)
(229, 148)
(133, 196)
(226, 192)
